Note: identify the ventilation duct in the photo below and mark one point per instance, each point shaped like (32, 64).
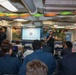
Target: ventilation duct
(29, 4)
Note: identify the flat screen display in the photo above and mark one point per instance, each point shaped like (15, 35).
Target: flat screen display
(31, 34)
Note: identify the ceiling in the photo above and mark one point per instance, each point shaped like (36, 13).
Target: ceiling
(59, 5)
(19, 5)
(47, 6)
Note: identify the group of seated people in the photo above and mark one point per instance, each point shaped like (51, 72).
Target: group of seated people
(39, 62)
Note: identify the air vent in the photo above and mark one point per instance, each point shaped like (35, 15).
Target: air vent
(59, 5)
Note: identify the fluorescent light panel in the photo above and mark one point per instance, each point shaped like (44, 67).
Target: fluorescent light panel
(60, 27)
(21, 20)
(55, 25)
(8, 5)
(75, 24)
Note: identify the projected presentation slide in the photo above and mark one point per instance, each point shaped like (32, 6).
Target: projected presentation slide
(31, 34)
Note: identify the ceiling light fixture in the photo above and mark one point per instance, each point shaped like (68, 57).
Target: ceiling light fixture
(75, 24)
(37, 15)
(55, 25)
(60, 27)
(20, 20)
(50, 14)
(8, 5)
(65, 13)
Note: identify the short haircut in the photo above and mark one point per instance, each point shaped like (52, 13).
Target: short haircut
(36, 44)
(50, 30)
(6, 47)
(36, 67)
(5, 41)
(69, 44)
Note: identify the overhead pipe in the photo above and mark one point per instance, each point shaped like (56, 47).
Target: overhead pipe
(29, 4)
